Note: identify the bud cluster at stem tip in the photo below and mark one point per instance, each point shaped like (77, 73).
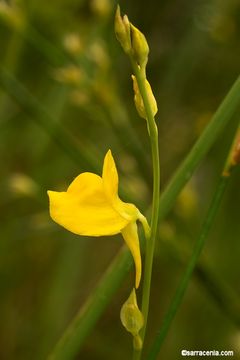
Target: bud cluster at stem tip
(131, 39)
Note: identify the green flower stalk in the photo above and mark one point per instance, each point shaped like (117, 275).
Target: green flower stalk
(147, 108)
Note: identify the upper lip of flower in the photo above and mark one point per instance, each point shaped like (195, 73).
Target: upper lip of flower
(110, 185)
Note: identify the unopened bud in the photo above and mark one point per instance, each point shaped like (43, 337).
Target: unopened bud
(139, 101)
(140, 47)
(122, 30)
(132, 318)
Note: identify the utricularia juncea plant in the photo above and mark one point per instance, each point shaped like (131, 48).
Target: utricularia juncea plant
(91, 205)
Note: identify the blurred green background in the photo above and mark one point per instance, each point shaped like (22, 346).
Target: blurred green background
(65, 99)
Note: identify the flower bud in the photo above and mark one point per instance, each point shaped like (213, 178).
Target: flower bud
(132, 319)
(139, 101)
(140, 47)
(122, 30)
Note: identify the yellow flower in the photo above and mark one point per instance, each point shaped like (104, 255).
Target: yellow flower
(91, 207)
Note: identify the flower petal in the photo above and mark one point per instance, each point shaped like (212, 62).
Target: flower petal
(110, 185)
(84, 209)
(110, 176)
(130, 236)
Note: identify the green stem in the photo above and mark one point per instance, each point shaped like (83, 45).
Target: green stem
(150, 243)
(178, 297)
(135, 354)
